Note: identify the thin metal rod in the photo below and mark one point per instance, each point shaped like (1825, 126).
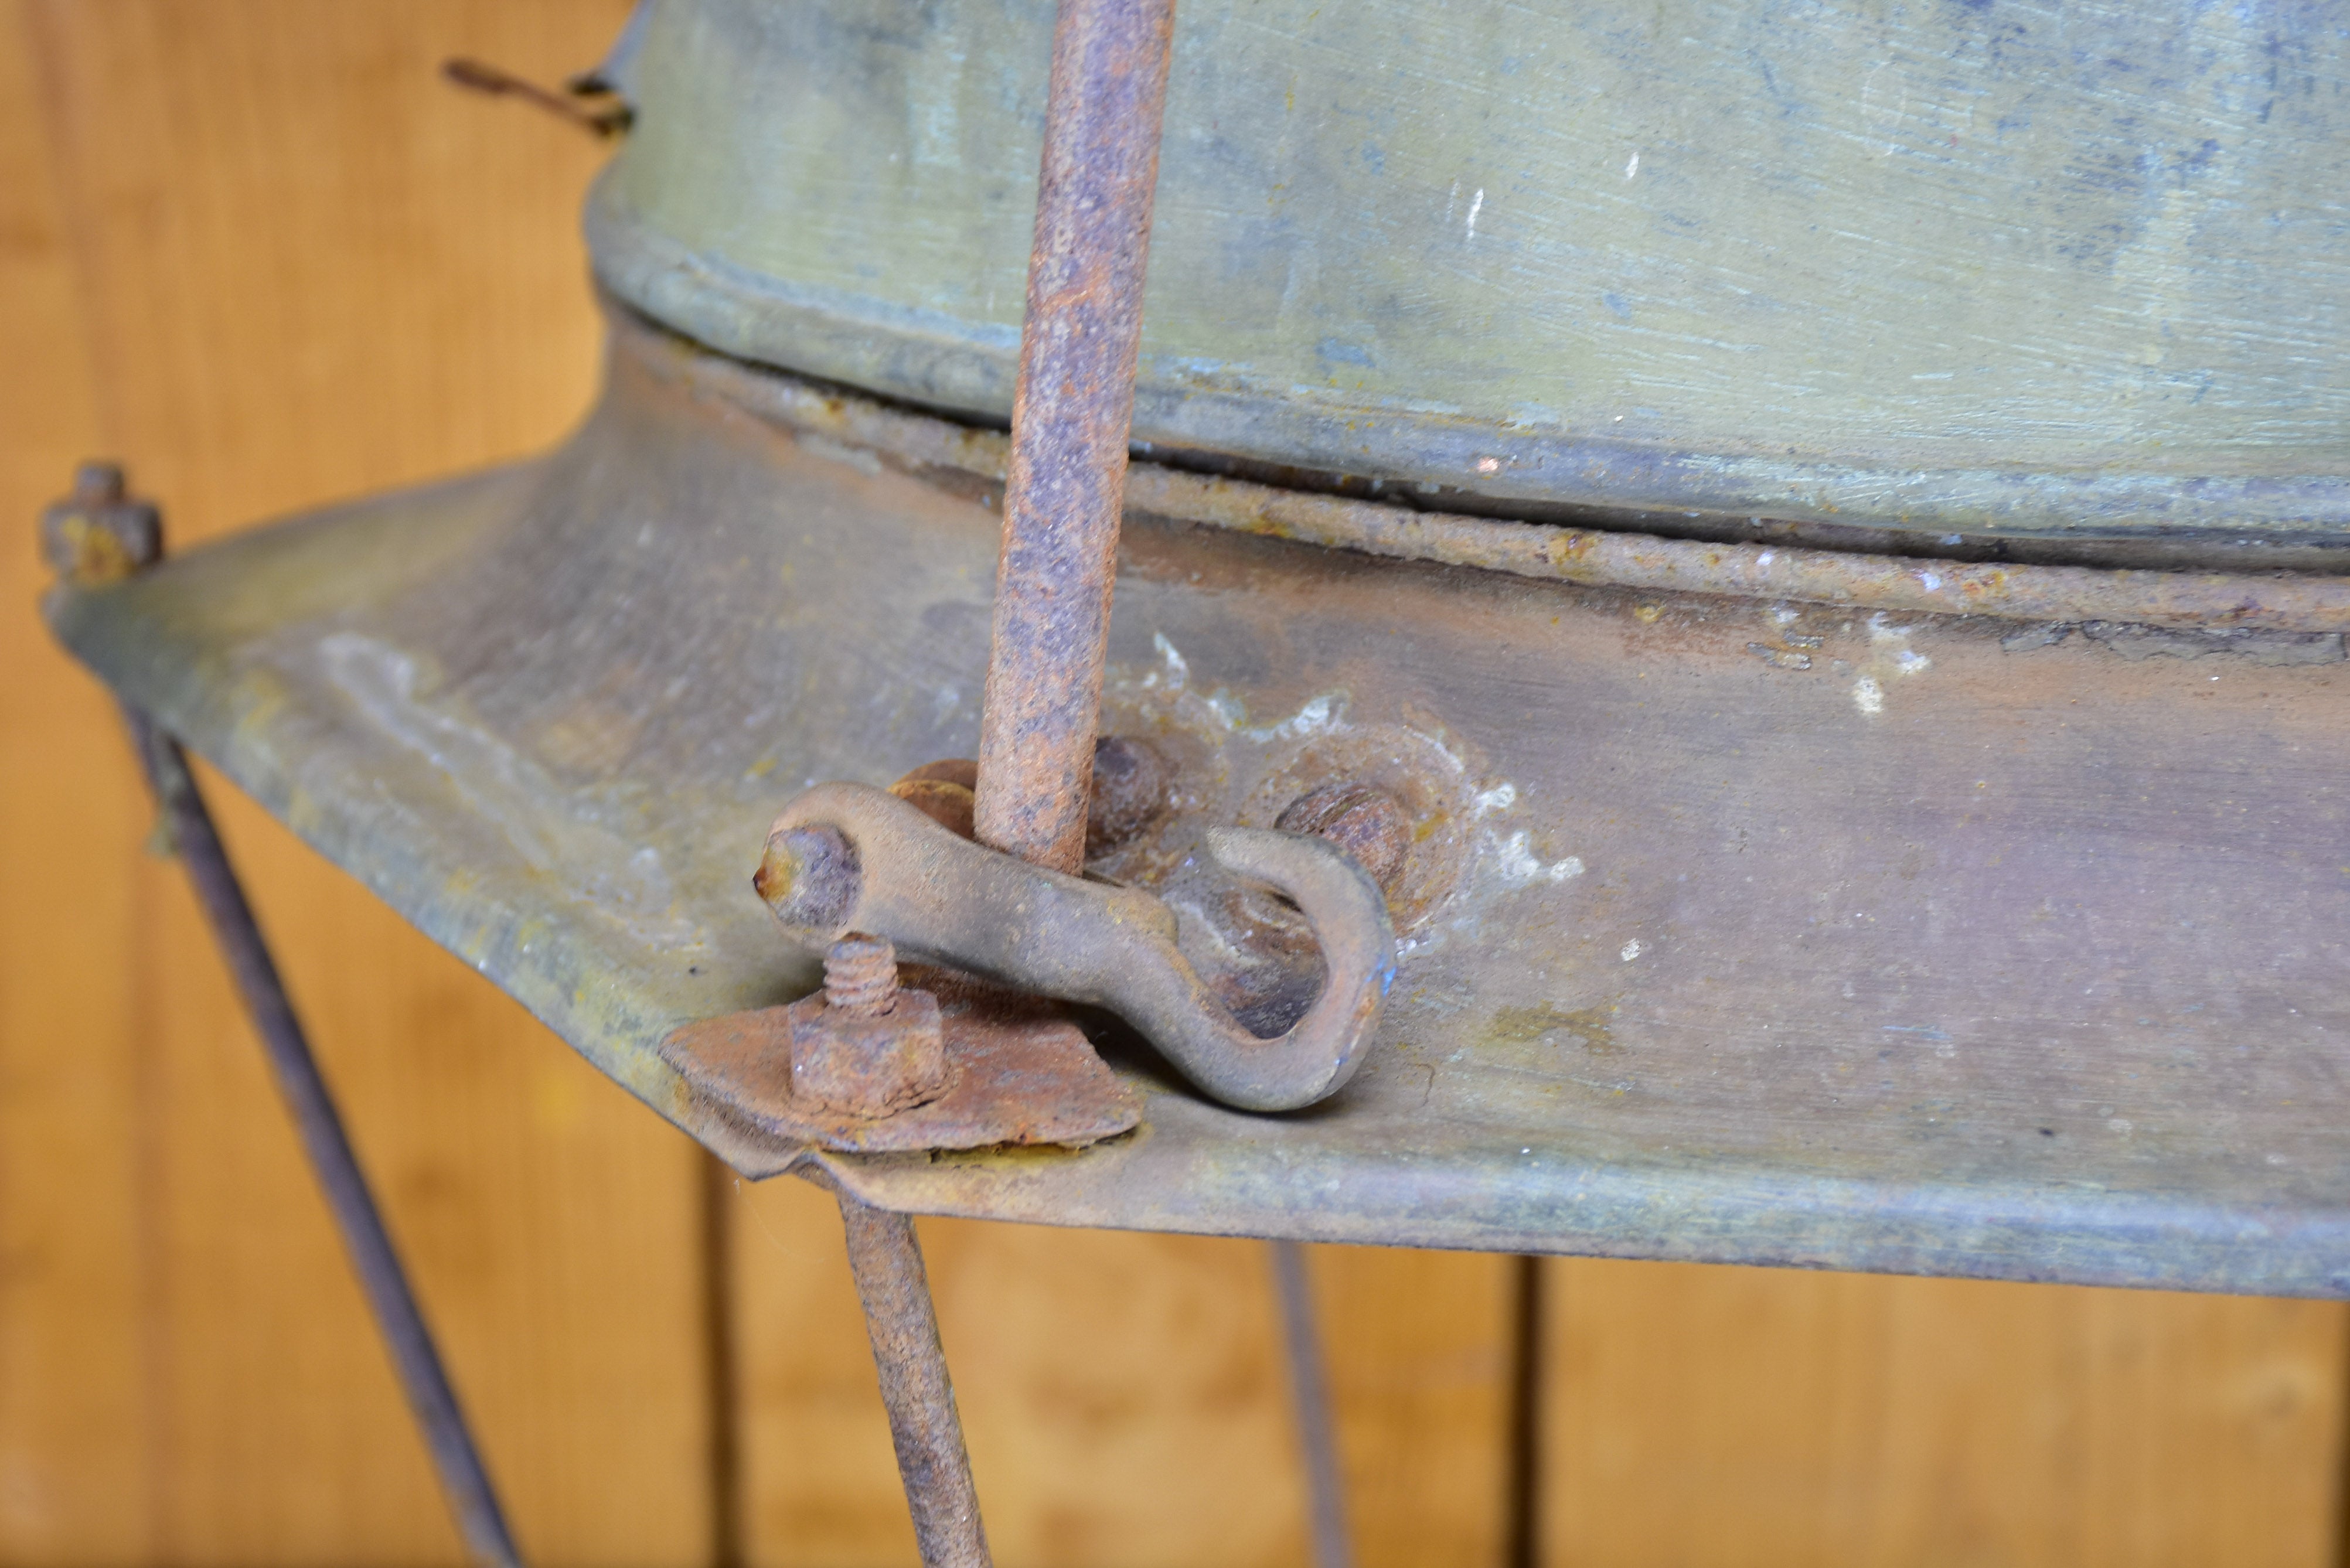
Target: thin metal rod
(464, 1480)
(886, 1261)
(1072, 411)
(1309, 1384)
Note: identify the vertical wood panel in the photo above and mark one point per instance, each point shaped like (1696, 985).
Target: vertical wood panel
(255, 247)
(1122, 1395)
(1119, 1393)
(309, 269)
(818, 1481)
(1745, 1417)
(1418, 1350)
(1126, 1403)
(72, 1408)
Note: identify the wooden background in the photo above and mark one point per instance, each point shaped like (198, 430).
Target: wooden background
(259, 251)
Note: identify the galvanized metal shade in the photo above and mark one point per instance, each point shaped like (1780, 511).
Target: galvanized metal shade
(1733, 929)
(2080, 272)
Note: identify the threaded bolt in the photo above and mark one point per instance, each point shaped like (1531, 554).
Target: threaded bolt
(861, 975)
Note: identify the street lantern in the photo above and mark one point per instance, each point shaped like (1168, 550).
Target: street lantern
(1727, 646)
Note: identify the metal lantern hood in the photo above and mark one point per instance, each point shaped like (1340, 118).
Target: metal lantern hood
(1779, 576)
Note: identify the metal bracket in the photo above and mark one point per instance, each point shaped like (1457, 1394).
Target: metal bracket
(847, 857)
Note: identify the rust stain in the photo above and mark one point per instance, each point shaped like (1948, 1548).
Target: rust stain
(1588, 1027)
(1017, 1072)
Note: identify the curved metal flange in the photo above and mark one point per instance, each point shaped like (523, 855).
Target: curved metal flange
(847, 857)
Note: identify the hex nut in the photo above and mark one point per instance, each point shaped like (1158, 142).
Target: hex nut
(100, 533)
(963, 771)
(868, 1064)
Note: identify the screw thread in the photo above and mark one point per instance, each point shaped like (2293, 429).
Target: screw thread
(861, 975)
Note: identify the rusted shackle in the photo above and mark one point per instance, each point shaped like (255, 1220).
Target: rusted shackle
(847, 857)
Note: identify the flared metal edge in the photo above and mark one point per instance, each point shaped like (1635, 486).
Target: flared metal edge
(162, 642)
(941, 362)
(171, 644)
(1726, 1213)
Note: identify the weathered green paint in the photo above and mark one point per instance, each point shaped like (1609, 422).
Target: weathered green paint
(1731, 931)
(1942, 263)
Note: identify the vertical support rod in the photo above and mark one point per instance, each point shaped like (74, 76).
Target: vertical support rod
(101, 533)
(1072, 412)
(1317, 1437)
(464, 1479)
(886, 1260)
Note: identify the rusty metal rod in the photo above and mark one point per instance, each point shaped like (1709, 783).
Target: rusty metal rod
(464, 1479)
(1309, 1384)
(886, 1260)
(1072, 411)
(101, 533)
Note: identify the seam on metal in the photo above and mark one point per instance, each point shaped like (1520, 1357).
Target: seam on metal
(935, 358)
(926, 444)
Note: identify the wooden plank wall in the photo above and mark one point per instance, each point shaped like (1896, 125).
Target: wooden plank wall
(255, 247)
(260, 252)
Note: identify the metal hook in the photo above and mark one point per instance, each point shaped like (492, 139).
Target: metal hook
(846, 857)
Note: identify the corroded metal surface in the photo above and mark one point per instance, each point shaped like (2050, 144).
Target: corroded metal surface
(99, 534)
(1363, 819)
(2290, 602)
(937, 894)
(885, 1257)
(1728, 930)
(1071, 411)
(866, 1044)
(2077, 270)
(1018, 1074)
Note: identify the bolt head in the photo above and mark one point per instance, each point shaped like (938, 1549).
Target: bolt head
(1364, 820)
(1129, 792)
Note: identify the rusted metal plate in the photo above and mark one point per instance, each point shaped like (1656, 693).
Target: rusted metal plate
(1730, 928)
(1019, 1075)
